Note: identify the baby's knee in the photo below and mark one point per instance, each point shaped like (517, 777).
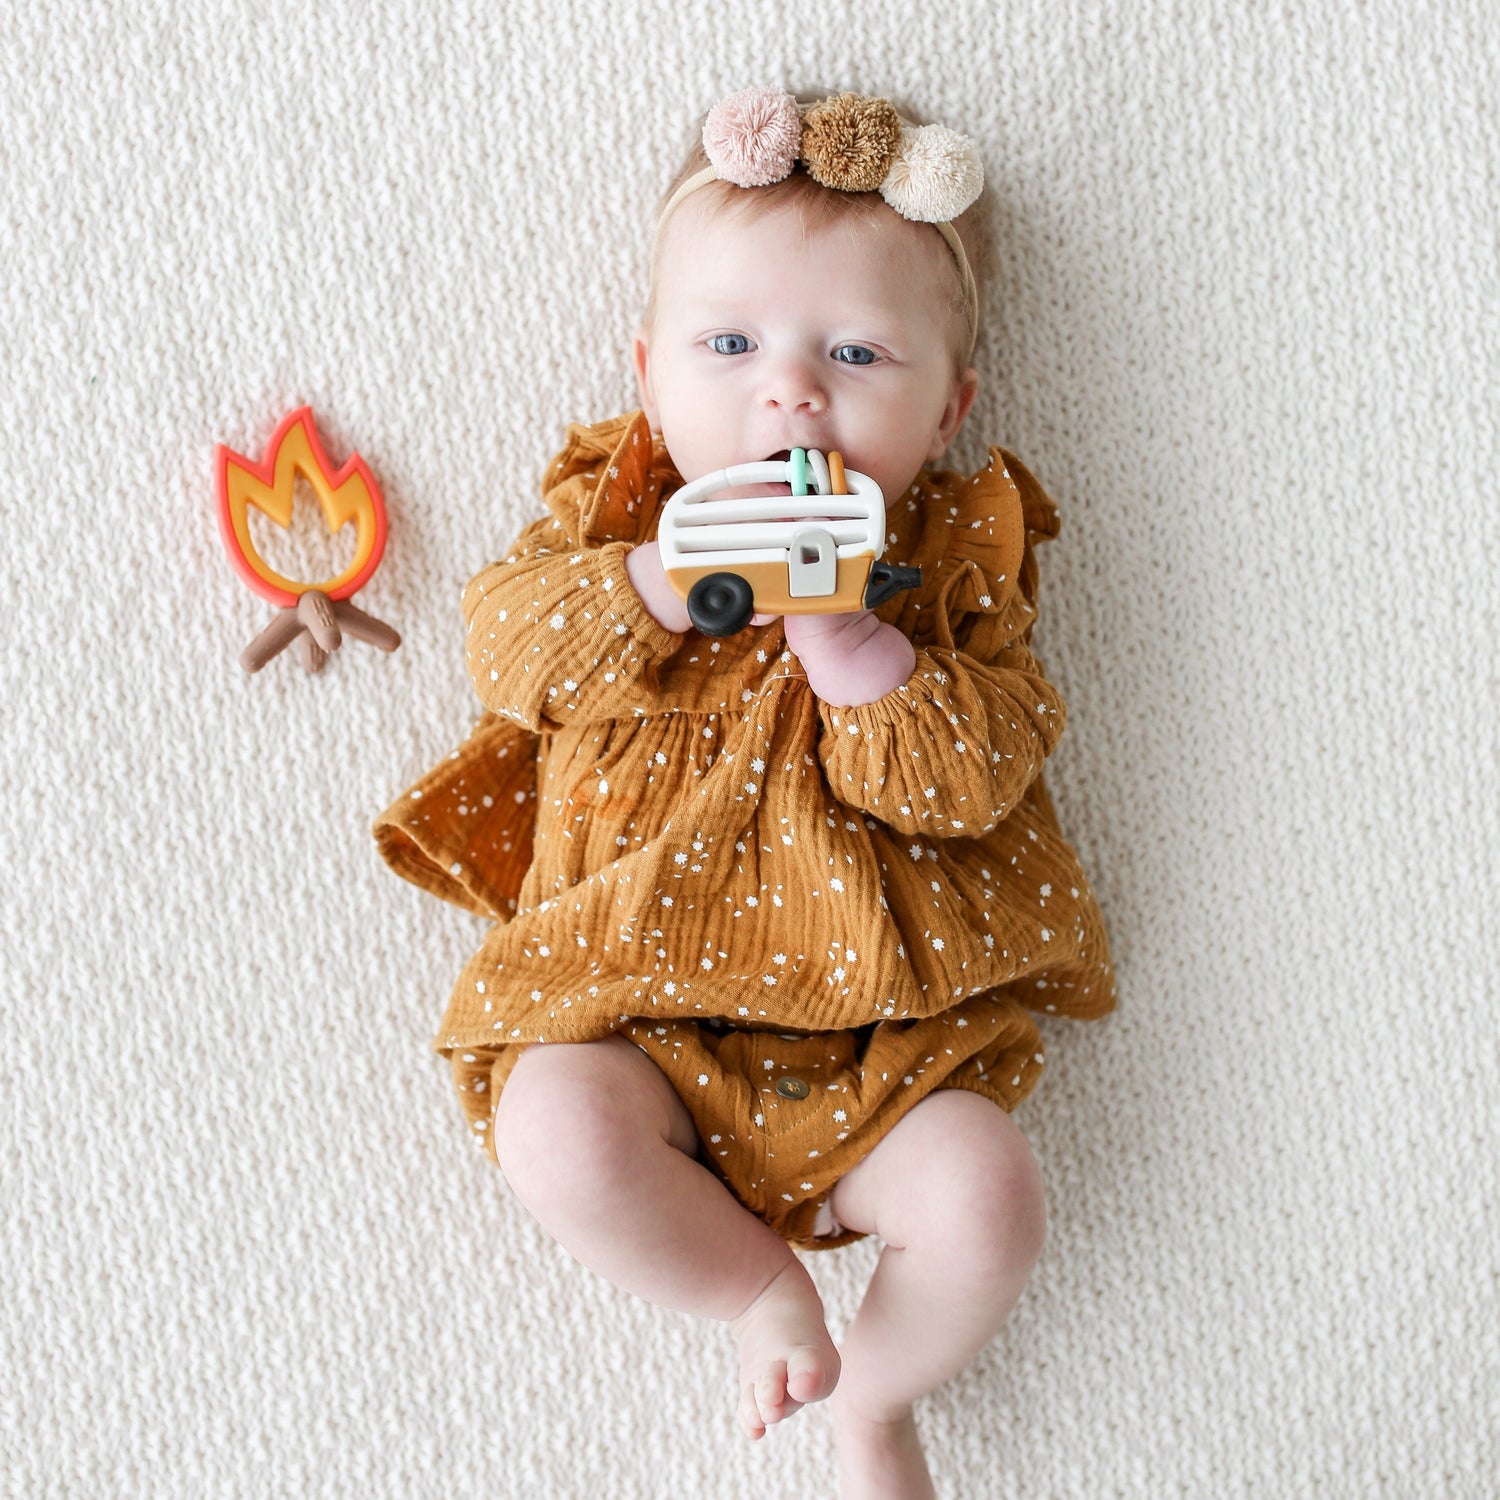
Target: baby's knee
(985, 1200)
(561, 1122)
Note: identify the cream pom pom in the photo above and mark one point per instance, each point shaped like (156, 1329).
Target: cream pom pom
(935, 176)
(752, 136)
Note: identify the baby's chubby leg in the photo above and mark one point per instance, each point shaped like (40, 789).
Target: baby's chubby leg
(595, 1142)
(955, 1193)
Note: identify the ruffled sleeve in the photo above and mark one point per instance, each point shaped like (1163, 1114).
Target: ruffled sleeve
(556, 633)
(465, 831)
(950, 751)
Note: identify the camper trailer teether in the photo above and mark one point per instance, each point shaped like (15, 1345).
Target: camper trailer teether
(730, 559)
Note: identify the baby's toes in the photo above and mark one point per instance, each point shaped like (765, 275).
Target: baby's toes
(750, 1419)
(812, 1372)
(770, 1393)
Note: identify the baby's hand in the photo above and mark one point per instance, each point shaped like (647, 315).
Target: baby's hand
(649, 579)
(850, 659)
(829, 635)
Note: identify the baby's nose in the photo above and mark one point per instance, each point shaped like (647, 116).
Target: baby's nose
(811, 404)
(795, 385)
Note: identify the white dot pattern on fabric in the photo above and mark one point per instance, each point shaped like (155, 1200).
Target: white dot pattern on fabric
(669, 832)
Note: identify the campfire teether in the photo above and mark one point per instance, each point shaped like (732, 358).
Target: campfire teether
(319, 613)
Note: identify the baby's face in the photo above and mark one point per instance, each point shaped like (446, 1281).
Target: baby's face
(766, 340)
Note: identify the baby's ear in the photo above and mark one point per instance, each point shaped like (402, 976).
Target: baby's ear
(965, 389)
(640, 358)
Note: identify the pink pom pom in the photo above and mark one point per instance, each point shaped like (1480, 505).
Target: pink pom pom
(752, 136)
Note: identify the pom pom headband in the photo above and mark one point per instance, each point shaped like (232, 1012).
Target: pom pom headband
(856, 143)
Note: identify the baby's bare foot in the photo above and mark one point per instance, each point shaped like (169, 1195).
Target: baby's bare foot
(879, 1457)
(786, 1356)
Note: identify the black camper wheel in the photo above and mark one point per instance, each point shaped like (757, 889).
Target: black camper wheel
(721, 604)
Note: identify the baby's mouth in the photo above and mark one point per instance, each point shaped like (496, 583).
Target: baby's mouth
(768, 487)
(777, 486)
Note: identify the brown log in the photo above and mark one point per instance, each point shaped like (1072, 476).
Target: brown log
(313, 655)
(365, 627)
(316, 612)
(276, 637)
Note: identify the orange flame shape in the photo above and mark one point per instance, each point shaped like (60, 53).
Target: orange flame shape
(346, 494)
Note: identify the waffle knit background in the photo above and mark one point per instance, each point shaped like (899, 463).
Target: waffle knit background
(1245, 333)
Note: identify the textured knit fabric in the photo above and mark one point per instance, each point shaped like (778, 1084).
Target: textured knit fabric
(679, 841)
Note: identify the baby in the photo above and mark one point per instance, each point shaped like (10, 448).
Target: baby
(778, 904)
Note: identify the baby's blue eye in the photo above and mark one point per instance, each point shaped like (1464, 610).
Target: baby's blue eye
(861, 348)
(714, 342)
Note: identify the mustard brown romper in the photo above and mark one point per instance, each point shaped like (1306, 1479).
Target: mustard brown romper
(809, 917)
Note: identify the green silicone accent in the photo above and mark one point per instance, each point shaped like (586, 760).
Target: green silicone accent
(799, 471)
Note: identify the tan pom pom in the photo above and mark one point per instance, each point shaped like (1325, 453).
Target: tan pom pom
(849, 141)
(935, 174)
